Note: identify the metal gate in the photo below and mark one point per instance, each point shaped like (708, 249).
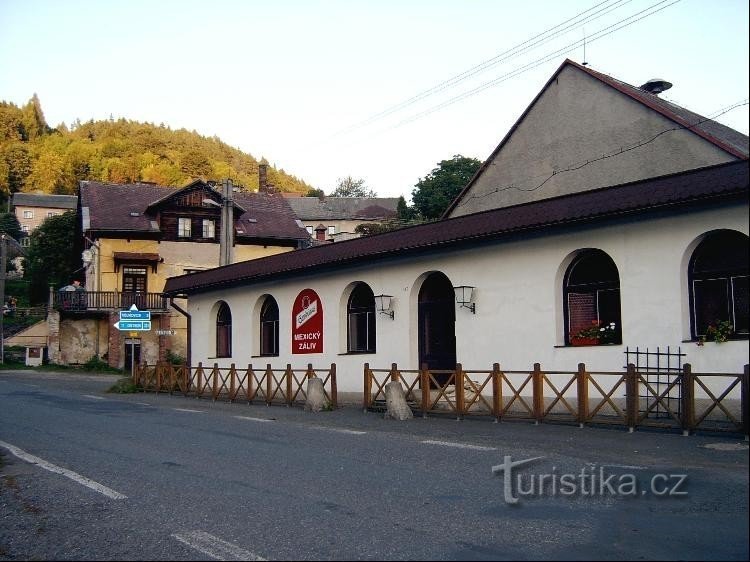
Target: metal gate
(661, 368)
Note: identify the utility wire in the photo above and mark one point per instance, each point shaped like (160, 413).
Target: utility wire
(535, 41)
(622, 150)
(546, 58)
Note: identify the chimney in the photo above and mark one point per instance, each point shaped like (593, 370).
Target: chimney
(262, 178)
(320, 232)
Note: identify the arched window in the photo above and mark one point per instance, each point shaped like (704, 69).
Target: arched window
(269, 327)
(592, 299)
(718, 277)
(360, 314)
(224, 331)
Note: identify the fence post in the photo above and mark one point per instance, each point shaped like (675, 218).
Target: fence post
(460, 395)
(745, 400)
(582, 381)
(158, 370)
(215, 376)
(367, 396)
(537, 385)
(185, 379)
(497, 391)
(688, 399)
(334, 387)
(199, 378)
(424, 381)
(631, 397)
(288, 375)
(394, 372)
(232, 382)
(269, 376)
(250, 379)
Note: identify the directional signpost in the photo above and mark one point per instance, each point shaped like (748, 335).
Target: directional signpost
(134, 320)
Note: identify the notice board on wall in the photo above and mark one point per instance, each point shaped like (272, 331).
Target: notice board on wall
(307, 323)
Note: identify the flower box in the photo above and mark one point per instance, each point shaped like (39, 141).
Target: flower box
(582, 340)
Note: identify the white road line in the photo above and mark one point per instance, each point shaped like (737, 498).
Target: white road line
(142, 404)
(340, 430)
(625, 466)
(186, 410)
(253, 419)
(92, 396)
(459, 445)
(23, 455)
(214, 547)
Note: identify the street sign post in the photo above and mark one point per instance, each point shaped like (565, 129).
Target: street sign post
(134, 320)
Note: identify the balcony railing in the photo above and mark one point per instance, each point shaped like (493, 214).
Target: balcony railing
(85, 301)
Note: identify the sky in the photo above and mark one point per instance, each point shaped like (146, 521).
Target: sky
(381, 90)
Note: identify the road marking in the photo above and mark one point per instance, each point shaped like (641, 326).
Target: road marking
(92, 396)
(214, 547)
(340, 430)
(23, 455)
(253, 419)
(186, 410)
(624, 466)
(142, 404)
(459, 445)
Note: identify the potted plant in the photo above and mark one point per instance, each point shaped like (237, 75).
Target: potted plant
(596, 334)
(718, 331)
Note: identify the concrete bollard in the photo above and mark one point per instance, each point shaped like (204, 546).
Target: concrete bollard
(316, 399)
(395, 400)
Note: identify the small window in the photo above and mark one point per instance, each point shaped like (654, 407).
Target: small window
(269, 328)
(209, 228)
(224, 331)
(25, 241)
(331, 230)
(28, 214)
(309, 230)
(51, 214)
(184, 228)
(25, 228)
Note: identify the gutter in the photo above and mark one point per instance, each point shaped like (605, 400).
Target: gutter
(189, 329)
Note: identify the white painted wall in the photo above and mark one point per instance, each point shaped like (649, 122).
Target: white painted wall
(519, 316)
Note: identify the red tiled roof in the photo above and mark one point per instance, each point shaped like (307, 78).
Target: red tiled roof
(724, 181)
(123, 207)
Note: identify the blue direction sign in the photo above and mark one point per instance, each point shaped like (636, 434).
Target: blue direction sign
(134, 320)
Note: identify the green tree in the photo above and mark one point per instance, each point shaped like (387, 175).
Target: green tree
(9, 225)
(34, 124)
(53, 256)
(350, 187)
(434, 192)
(314, 192)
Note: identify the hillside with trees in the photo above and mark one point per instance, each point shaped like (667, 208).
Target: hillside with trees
(37, 157)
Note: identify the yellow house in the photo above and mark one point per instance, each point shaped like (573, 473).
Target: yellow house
(138, 235)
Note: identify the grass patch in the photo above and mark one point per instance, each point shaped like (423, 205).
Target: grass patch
(125, 385)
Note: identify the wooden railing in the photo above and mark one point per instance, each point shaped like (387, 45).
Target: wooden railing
(81, 301)
(620, 398)
(271, 386)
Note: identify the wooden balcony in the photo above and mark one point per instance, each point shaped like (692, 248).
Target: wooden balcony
(107, 301)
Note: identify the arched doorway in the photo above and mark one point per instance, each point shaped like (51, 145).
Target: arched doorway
(437, 323)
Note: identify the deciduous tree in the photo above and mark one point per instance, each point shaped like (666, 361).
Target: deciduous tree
(433, 193)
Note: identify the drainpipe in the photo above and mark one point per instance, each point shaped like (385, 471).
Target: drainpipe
(189, 328)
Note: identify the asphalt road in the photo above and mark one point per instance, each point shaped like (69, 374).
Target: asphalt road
(93, 476)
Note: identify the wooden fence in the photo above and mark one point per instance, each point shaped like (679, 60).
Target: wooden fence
(624, 398)
(271, 386)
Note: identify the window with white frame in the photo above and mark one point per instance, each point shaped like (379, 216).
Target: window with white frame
(184, 227)
(331, 230)
(309, 230)
(25, 228)
(209, 228)
(28, 214)
(718, 281)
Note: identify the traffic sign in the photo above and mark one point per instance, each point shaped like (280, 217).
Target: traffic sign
(134, 325)
(134, 314)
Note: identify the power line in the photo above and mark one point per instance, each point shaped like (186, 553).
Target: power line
(536, 40)
(622, 150)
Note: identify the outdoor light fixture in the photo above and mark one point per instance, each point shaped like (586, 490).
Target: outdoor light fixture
(383, 305)
(464, 296)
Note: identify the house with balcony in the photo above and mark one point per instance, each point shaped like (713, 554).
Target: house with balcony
(135, 237)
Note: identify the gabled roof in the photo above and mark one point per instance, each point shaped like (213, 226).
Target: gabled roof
(702, 186)
(45, 200)
(343, 208)
(723, 137)
(127, 208)
(196, 184)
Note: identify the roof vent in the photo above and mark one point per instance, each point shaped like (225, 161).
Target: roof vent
(656, 86)
(135, 214)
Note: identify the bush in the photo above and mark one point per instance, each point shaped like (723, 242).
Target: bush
(96, 364)
(174, 358)
(124, 385)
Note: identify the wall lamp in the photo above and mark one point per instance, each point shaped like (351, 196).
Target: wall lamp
(383, 305)
(464, 296)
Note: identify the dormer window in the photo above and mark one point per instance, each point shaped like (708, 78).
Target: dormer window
(184, 227)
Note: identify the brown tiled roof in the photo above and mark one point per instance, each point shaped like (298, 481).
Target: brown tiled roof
(721, 182)
(725, 138)
(123, 207)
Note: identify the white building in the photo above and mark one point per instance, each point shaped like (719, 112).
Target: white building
(649, 239)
